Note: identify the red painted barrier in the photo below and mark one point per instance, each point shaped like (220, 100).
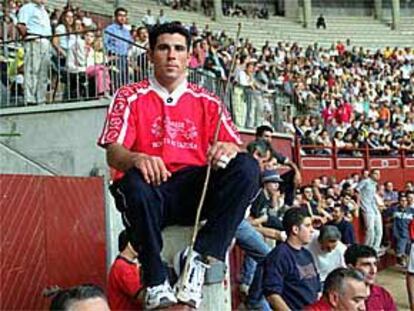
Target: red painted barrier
(52, 232)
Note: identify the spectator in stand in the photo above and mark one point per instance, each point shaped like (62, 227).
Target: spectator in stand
(244, 81)
(324, 140)
(268, 208)
(162, 19)
(291, 280)
(124, 280)
(320, 22)
(15, 72)
(82, 68)
(344, 112)
(141, 38)
(409, 186)
(345, 227)
(194, 30)
(148, 20)
(390, 195)
(249, 234)
(138, 53)
(82, 297)
(344, 289)
(314, 207)
(62, 43)
(367, 189)
(33, 25)
(116, 41)
(198, 55)
(87, 20)
(401, 215)
(364, 258)
(291, 179)
(327, 250)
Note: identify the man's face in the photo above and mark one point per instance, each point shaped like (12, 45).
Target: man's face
(328, 245)
(305, 231)
(375, 175)
(121, 17)
(272, 186)
(267, 135)
(368, 266)
(308, 193)
(143, 34)
(351, 298)
(403, 202)
(410, 199)
(337, 214)
(271, 164)
(89, 38)
(389, 186)
(170, 57)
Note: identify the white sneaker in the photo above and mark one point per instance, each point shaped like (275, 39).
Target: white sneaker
(160, 296)
(189, 290)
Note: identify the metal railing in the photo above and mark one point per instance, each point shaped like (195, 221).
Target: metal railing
(335, 153)
(33, 72)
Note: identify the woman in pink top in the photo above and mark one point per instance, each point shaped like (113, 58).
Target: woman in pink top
(198, 56)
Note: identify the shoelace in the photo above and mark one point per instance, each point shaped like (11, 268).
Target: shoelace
(158, 289)
(196, 275)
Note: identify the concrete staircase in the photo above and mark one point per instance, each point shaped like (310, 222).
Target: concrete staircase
(362, 31)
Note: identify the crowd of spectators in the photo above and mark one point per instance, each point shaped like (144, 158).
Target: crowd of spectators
(351, 98)
(341, 215)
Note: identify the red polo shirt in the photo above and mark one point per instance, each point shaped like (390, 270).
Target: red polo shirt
(380, 299)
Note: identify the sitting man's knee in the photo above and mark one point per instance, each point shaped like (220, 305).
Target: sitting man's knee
(248, 166)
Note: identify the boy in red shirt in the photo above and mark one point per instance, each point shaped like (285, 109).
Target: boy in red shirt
(124, 281)
(364, 258)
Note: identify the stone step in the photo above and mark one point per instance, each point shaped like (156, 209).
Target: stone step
(216, 296)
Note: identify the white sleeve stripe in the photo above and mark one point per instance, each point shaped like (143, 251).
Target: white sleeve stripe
(127, 111)
(110, 108)
(122, 133)
(230, 130)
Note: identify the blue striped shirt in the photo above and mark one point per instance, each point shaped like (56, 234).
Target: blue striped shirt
(115, 45)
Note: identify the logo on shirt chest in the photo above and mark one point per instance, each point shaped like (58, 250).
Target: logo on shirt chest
(174, 129)
(307, 271)
(178, 133)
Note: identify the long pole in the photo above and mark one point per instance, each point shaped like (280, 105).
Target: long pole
(209, 166)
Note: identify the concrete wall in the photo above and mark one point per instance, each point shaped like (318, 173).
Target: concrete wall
(58, 139)
(60, 136)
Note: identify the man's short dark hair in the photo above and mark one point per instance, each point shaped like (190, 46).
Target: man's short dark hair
(120, 9)
(294, 217)
(261, 146)
(122, 240)
(65, 298)
(141, 28)
(170, 28)
(335, 281)
(329, 233)
(263, 128)
(356, 251)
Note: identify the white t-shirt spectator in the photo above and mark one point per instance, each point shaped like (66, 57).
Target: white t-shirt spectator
(149, 20)
(326, 262)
